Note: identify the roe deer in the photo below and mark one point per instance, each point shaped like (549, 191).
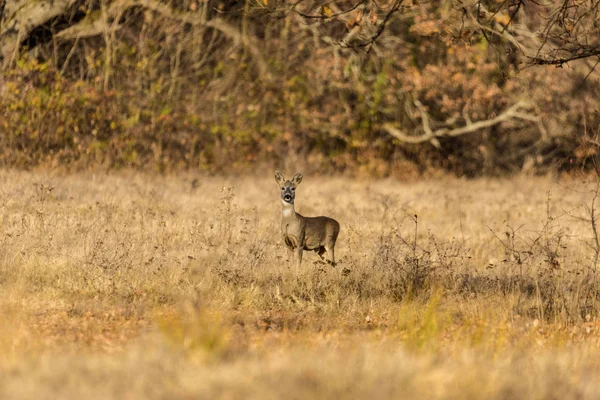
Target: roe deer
(304, 233)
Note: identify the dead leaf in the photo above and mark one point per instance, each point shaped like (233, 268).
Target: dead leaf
(373, 17)
(359, 17)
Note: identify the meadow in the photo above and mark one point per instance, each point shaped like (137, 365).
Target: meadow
(145, 286)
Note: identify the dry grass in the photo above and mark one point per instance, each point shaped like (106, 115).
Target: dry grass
(136, 286)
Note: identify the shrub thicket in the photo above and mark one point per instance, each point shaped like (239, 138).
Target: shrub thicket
(225, 85)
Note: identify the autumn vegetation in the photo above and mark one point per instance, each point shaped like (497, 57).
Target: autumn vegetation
(140, 246)
(372, 88)
(142, 286)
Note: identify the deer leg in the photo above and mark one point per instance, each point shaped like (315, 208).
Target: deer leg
(321, 252)
(299, 256)
(331, 256)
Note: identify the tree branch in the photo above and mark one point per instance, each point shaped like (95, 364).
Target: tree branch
(587, 53)
(514, 112)
(396, 6)
(29, 16)
(569, 33)
(89, 28)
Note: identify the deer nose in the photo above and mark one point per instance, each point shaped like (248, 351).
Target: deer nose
(287, 197)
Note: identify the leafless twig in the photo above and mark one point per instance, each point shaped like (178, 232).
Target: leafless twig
(568, 30)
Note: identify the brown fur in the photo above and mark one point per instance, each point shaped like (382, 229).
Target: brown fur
(301, 233)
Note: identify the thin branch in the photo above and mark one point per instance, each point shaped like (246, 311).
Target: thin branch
(87, 28)
(595, 52)
(484, 28)
(569, 32)
(397, 5)
(513, 15)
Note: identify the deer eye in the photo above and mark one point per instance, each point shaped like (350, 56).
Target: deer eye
(282, 188)
(293, 189)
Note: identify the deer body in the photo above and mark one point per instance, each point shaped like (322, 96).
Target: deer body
(304, 233)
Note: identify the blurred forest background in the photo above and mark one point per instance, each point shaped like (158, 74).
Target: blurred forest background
(357, 86)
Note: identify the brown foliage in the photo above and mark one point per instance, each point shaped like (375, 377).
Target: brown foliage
(226, 85)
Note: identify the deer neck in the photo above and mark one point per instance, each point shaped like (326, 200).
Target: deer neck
(288, 210)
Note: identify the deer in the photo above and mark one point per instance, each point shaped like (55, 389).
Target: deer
(301, 233)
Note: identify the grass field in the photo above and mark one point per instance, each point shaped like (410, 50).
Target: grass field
(138, 286)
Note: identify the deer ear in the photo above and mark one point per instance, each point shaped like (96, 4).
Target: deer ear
(297, 179)
(279, 177)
